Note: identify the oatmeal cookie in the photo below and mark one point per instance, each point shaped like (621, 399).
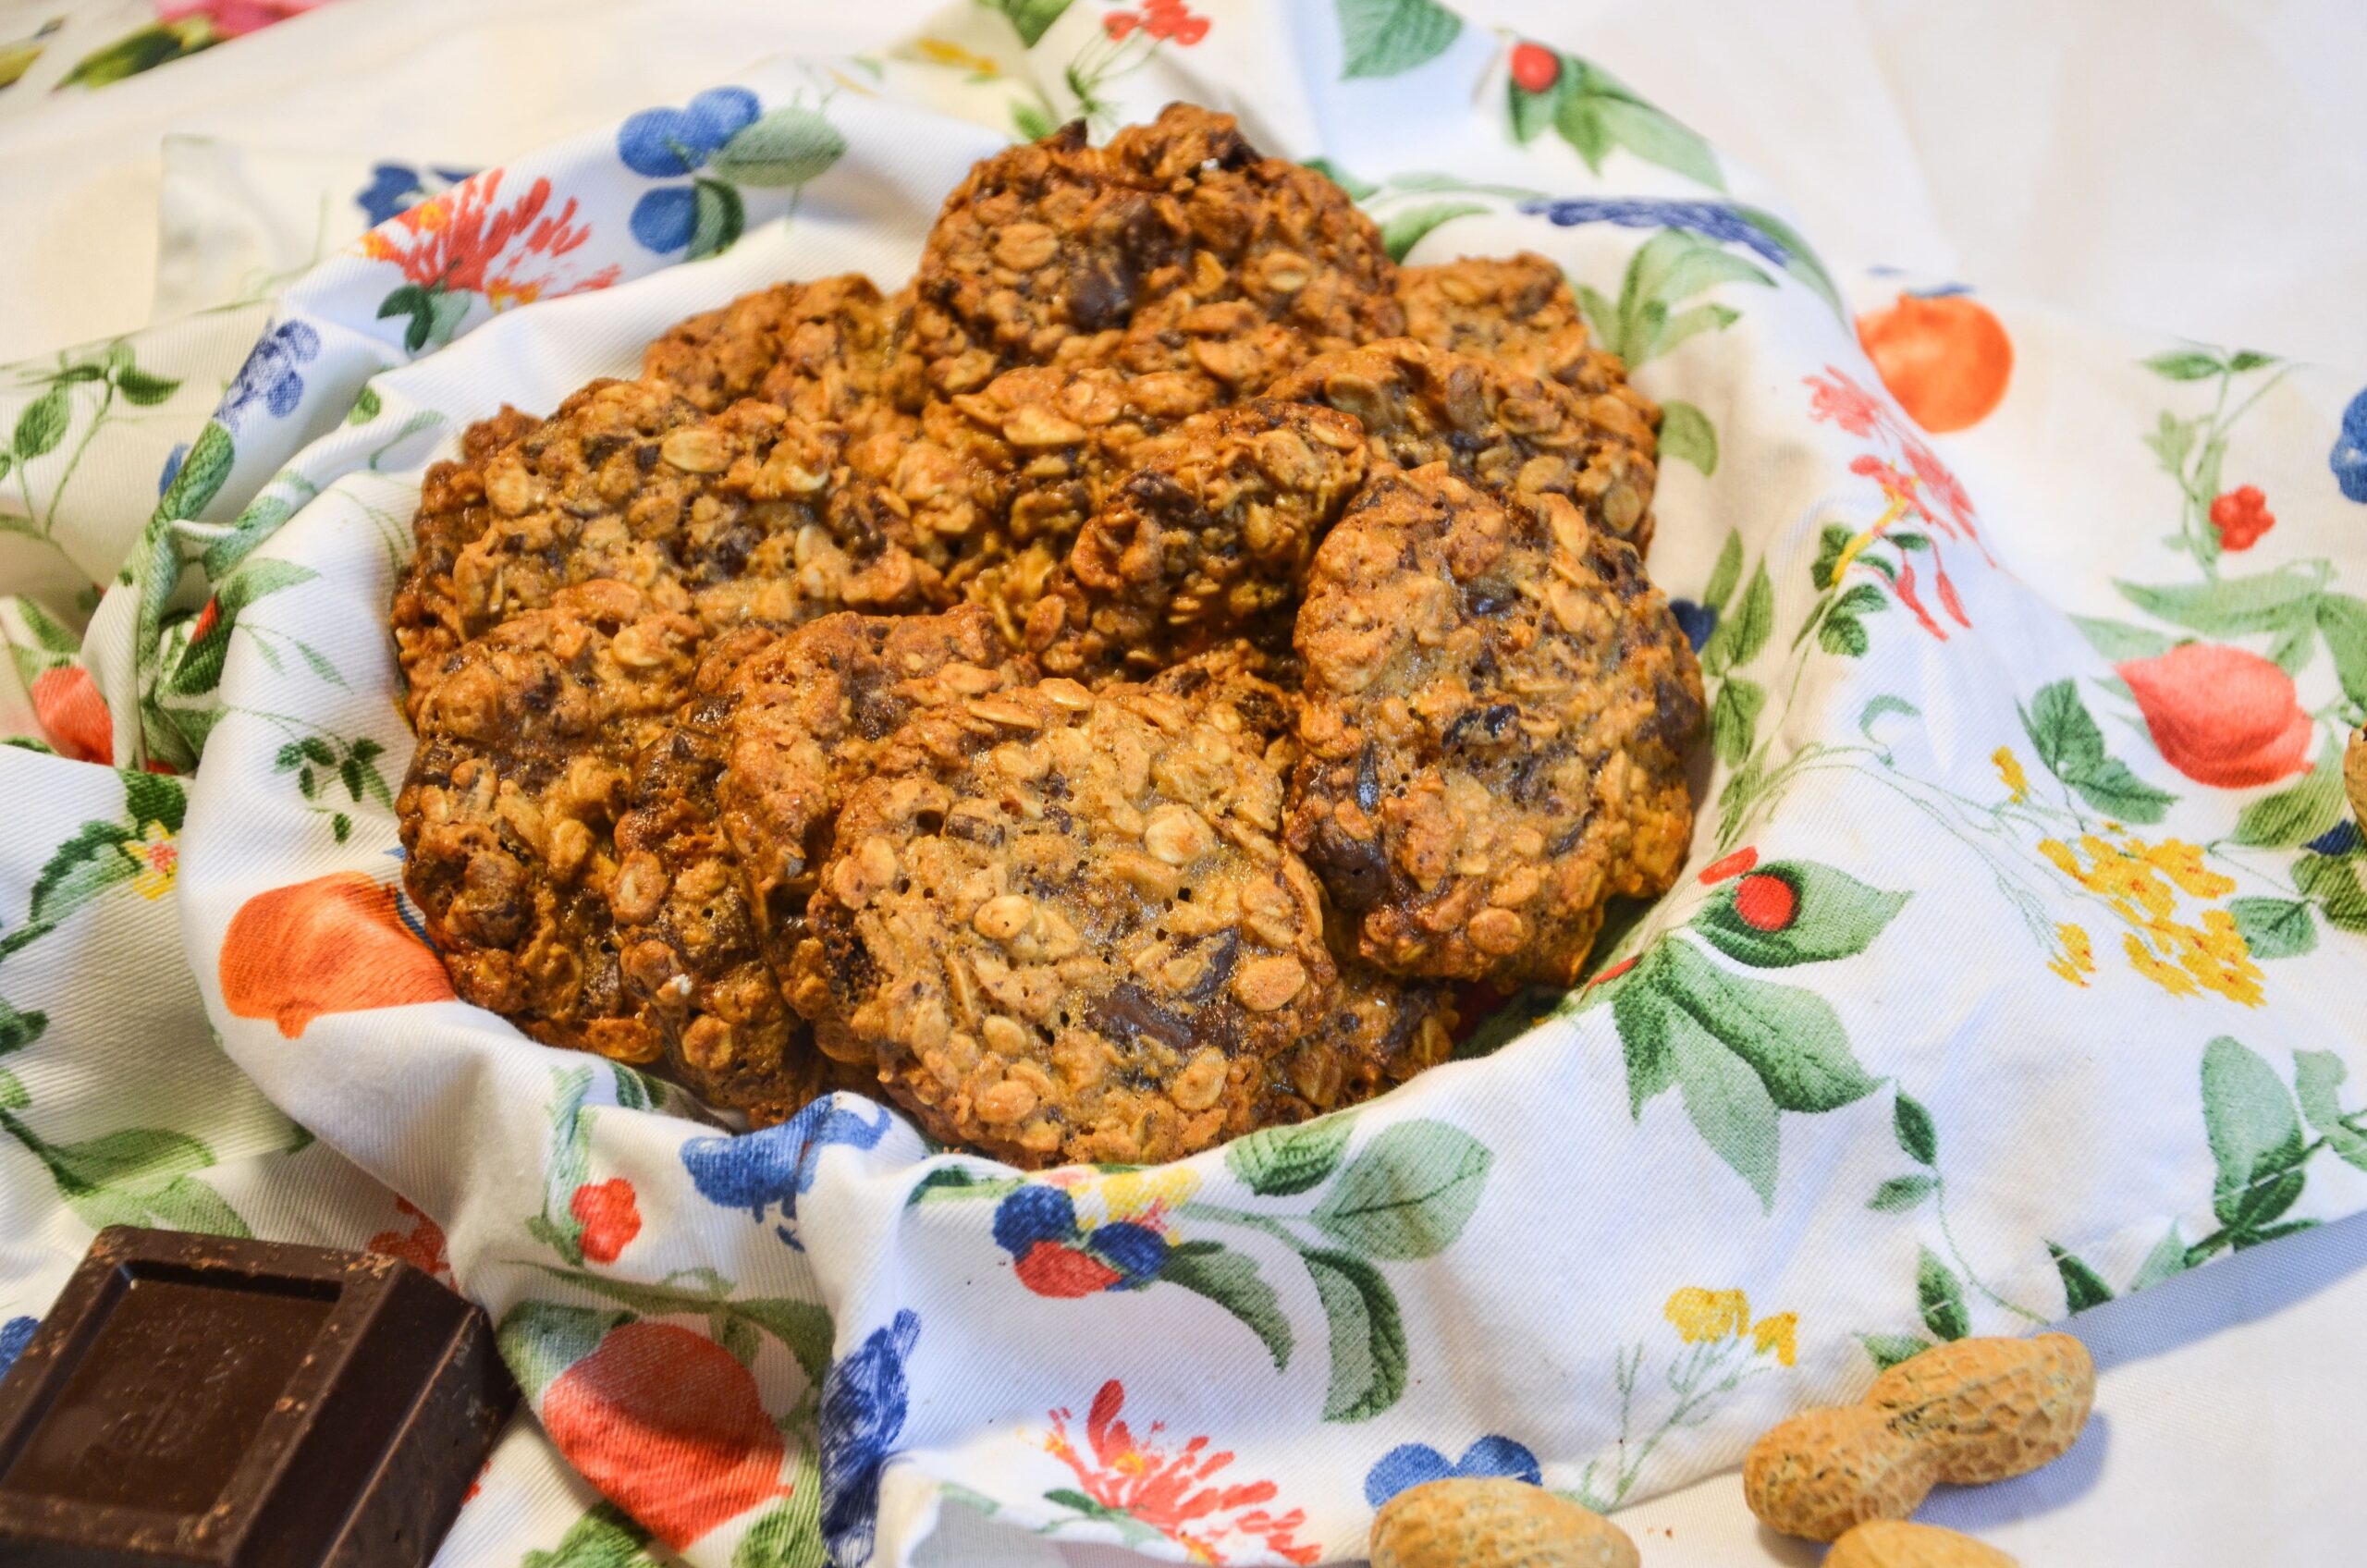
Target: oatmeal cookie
(1516, 311)
(1497, 714)
(526, 744)
(806, 717)
(822, 351)
(1208, 537)
(1061, 924)
(1380, 1032)
(687, 939)
(1510, 434)
(738, 518)
(451, 513)
(1176, 248)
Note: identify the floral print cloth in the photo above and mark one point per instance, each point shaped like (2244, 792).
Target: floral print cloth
(2031, 651)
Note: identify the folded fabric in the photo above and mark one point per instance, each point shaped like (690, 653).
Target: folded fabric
(2029, 653)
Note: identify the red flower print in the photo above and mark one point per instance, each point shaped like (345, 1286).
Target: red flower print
(2241, 516)
(73, 714)
(423, 1247)
(1843, 402)
(1766, 902)
(1172, 1493)
(1160, 20)
(207, 619)
(671, 1427)
(1614, 972)
(2223, 716)
(1734, 865)
(1535, 67)
(608, 1214)
(468, 241)
(1940, 483)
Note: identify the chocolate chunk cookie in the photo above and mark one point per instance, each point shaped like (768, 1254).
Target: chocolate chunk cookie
(1208, 537)
(1380, 1032)
(687, 938)
(1177, 248)
(822, 351)
(1497, 713)
(526, 745)
(1517, 312)
(738, 518)
(1506, 433)
(451, 513)
(1062, 925)
(806, 718)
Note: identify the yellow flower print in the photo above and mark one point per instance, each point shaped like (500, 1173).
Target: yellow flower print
(1779, 1335)
(2143, 883)
(155, 860)
(1143, 1195)
(949, 53)
(2079, 959)
(1701, 1315)
(2010, 769)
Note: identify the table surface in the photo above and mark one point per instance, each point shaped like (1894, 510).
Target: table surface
(2169, 164)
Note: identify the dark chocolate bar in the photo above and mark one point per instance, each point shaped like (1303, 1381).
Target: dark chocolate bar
(204, 1401)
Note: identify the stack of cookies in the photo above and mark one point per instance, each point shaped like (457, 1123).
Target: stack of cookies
(1105, 697)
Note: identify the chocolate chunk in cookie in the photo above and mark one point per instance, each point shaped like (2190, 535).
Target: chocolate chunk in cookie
(1177, 248)
(1380, 1032)
(1508, 434)
(451, 513)
(1498, 709)
(1206, 539)
(1061, 924)
(526, 744)
(1517, 312)
(822, 351)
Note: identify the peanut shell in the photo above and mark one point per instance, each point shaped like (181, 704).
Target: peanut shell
(1494, 1522)
(1892, 1543)
(1823, 1471)
(1988, 1409)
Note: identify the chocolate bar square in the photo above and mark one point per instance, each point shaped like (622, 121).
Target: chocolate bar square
(226, 1403)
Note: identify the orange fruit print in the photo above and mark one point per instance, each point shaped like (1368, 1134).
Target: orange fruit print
(1945, 357)
(335, 944)
(669, 1424)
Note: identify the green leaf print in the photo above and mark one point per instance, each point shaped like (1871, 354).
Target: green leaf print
(2294, 816)
(568, 1159)
(791, 1536)
(1733, 718)
(1739, 637)
(2255, 1138)
(2273, 927)
(1030, 18)
(78, 871)
(1940, 1296)
(1889, 1350)
(2342, 621)
(2235, 606)
(1657, 139)
(1902, 1193)
(2119, 643)
(605, 1537)
(1405, 230)
(2185, 364)
(17, 1029)
(1729, 1104)
(155, 797)
(181, 1204)
(539, 1340)
(1391, 37)
(42, 425)
(1832, 915)
(1916, 1133)
(2167, 1259)
(718, 217)
(1368, 1336)
(135, 1176)
(1791, 1038)
(201, 476)
(1594, 113)
(803, 1327)
(951, 1182)
(1727, 575)
(1280, 1161)
(2082, 1286)
(1231, 1280)
(2332, 883)
(144, 390)
(1686, 432)
(788, 147)
(2072, 747)
(2317, 1080)
(1408, 1193)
